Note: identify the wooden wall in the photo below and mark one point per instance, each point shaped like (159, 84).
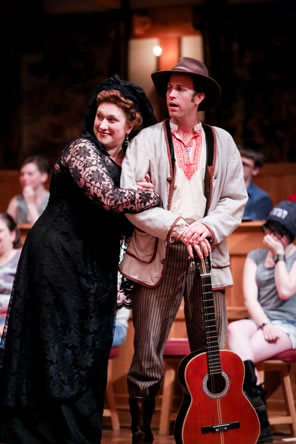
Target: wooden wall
(9, 186)
(278, 179)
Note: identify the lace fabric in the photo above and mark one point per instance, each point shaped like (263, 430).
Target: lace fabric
(61, 313)
(91, 175)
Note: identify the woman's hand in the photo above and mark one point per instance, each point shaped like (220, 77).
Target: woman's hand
(145, 185)
(270, 333)
(29, 195)
(32, 208)
(273, 244)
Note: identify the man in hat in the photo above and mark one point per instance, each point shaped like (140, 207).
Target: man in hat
(197, 171)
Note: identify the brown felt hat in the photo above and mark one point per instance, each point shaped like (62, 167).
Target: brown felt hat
(199, 73)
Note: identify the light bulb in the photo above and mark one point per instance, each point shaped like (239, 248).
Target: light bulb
(157, 50)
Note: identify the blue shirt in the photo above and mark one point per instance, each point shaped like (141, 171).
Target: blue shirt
(259, 203)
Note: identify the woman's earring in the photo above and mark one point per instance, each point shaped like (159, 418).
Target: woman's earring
(125, 143)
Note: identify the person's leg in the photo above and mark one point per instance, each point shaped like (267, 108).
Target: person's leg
(239, 338)
(247, 341)
(154, 311)
(120, 331)
(256, 395)
(262, 349)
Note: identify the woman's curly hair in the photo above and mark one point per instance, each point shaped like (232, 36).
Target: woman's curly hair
(127, 105)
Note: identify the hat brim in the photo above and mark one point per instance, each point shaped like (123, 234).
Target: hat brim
(205, 84)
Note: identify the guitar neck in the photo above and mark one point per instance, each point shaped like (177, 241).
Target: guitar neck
(209, 321)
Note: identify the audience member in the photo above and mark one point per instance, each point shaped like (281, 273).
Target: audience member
(269, 285)
(25, 208)
(9, 257)
(259, 202)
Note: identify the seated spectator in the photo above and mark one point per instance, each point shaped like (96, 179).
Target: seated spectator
(259, 203)
(269, 285)
(125, 291)
(121, 325)
(292, 198)
(26, 208)
(9, 257)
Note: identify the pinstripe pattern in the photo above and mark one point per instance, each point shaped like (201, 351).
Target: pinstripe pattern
(154, 311)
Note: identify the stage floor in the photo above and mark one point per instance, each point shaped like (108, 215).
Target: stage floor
(281, 436)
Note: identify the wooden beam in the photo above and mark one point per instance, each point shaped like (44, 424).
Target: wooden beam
(170, 52)
(158, 22)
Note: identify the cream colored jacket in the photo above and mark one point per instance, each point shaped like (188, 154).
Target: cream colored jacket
(145, 259)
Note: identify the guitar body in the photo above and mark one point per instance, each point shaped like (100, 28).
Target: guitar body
(215, 409)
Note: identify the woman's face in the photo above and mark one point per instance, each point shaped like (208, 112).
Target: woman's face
(31, 175)
(111, 125)
(6, 238)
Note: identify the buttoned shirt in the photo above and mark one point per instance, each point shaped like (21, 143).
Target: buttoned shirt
(188, 198)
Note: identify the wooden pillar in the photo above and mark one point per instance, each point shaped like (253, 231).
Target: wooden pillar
(170, 52)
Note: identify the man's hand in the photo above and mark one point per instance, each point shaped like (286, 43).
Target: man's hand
(195, 236)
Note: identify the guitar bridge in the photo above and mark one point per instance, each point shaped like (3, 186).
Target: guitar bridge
(221, 427)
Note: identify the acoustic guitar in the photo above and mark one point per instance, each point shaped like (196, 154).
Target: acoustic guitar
(214, 408)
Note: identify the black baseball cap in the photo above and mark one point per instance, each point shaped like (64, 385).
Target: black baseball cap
(284, 213)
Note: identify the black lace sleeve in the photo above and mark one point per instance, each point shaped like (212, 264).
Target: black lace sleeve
(88, 169)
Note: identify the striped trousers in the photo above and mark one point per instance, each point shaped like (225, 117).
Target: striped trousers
(154, 311)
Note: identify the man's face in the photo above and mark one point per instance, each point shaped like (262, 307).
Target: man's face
(182, 100)
(249, 169)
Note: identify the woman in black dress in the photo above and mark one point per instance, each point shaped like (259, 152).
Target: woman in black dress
(61, 313)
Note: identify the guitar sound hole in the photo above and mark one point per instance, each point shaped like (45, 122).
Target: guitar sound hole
(216, 384)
